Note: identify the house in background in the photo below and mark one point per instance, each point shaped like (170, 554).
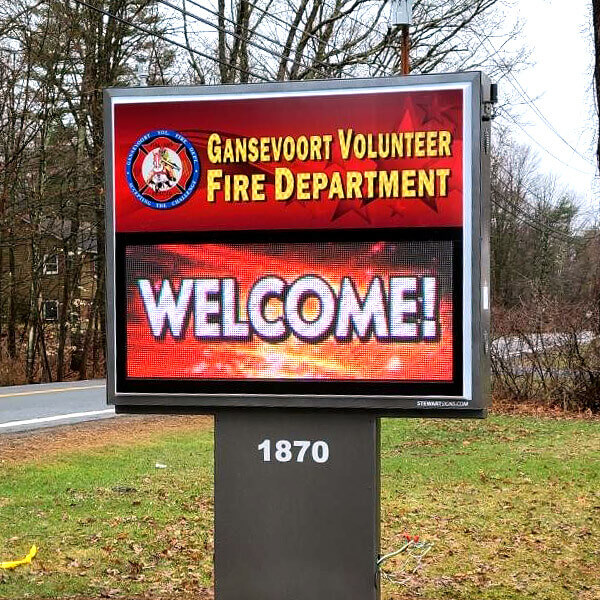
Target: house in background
(42, 257)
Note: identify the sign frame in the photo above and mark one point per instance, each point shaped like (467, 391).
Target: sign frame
(474, 400)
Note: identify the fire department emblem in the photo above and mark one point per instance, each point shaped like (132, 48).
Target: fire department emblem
(162, 169)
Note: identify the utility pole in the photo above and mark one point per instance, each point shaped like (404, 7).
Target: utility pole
(405, 50)
(402, 17)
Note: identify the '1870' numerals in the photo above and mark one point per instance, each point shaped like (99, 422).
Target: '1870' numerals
(285, 451)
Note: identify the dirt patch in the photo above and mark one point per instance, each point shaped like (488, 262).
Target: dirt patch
(28, 446)
(115, 595)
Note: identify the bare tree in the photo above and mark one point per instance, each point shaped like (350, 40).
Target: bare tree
(57, 59)
(308, 39)
(57, 56)
(532, 228)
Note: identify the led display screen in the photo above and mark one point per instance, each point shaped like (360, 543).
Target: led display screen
(376, 310)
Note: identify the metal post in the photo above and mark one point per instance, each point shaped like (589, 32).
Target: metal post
(405, 50)
(296, 505)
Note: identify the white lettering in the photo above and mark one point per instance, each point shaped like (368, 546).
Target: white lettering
(203, 308)
(403, 310)
(261, 292)
(300, 290)
(167, 312)
(351, 315)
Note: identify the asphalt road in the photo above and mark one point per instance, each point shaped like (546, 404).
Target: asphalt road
(26, 407)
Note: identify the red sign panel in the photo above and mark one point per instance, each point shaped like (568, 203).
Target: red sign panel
(357, 161)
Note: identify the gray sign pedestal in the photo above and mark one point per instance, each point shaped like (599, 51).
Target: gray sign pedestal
(292, 527)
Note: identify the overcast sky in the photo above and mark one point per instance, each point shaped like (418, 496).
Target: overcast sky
(560, 82)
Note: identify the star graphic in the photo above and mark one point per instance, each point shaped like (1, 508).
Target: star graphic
(344, 207)
(438, 109)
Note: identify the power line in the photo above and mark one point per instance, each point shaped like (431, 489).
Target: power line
(240, 37)
(534, 223)
(529, 191)
(526, 220)
(370, 29)
(481, 43)
(507, 114)
(373, 28)
(304, 31)
(525, 96)
(168, 40)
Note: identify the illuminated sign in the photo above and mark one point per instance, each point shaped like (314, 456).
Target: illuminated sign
(299, 245)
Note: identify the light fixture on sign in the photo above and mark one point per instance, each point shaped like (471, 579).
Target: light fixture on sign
(402, 12)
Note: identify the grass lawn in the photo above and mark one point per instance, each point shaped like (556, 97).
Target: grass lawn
(512, 505)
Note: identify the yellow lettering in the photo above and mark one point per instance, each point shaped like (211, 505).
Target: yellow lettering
(276, 144)
(388, 184)
(302, 148)
(320, 181)
(372, 152)
(212, 183)
(241, 183)
(444, 144)
(336, 189)
(408, 183)
(409, 136)
(214, 148)
(303, 186)
(241, 149)
(345, 139)
(228, 152)
(284, 184)
(315, 147)
(353, 183)
(258, 187)
(442, 175)
(253, 152)
(360, 146)
(264, 149)
(420, 144)
(227, 190)
(327, 139)
(383, 145)
(288, 148)
(426, 183)
(432, 137)
(397, 145)
(370, 178)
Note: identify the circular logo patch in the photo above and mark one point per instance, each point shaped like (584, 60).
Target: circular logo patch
(162, 169)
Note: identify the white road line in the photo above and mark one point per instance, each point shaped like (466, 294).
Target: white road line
(76, 415)
(52, 390)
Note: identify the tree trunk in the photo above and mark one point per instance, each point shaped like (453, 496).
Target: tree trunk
(31, 337)
(11, 326)
(63, 316)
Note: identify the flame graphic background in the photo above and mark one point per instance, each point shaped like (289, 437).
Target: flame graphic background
(189, 358)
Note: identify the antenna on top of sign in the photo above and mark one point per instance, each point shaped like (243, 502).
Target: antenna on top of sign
(402, 11)
(141, 72)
